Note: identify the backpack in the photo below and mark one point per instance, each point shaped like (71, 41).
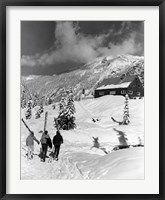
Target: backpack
(49, 143)
(43, 139)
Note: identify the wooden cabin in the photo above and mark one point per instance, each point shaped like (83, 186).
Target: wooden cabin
(123, 85)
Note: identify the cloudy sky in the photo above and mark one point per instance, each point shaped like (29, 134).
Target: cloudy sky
(49, 47)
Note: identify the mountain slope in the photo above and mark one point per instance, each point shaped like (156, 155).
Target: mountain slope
(87, 77)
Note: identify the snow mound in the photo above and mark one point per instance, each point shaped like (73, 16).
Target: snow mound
(122, 164)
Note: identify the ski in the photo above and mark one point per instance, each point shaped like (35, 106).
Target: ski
(45, 122)
(26, 125)
(120, 123)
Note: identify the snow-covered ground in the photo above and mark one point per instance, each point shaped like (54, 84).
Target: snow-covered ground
(78, 159)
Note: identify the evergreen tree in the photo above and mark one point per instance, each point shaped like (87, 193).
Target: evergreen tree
(66, 119)
(70, 108)
(126, 120)
(23, 103)
(41, 109)
(37, 114)
(56, 123)
(62, 106)
(34, 102)
(28, 113)
(29, 104)
(104, 60)
(140, 141)
(23, 100)
(70, 111)
(49, 101)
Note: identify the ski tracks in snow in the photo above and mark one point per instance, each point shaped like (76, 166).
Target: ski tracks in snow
(64, 168)
(51, 169)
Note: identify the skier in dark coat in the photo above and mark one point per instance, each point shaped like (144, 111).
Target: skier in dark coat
(45, 142)
(57, 141)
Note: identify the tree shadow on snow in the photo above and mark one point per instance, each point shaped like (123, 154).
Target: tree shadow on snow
(96, 144)
(122, 140)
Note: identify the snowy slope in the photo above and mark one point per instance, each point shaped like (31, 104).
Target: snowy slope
(78, 160)
(87, 76)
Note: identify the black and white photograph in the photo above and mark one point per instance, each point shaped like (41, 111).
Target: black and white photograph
(82, 100)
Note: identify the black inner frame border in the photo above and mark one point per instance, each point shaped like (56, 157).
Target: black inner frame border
(3, 6)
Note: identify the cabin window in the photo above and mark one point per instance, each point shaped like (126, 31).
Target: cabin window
(112, 92)
(123, 92)
(101, 93)
(130, 92)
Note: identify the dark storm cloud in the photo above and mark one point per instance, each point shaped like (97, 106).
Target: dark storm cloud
(36, 36)
(80, 42)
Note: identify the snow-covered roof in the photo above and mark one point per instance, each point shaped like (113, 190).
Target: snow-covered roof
(122, 85)
(117, 82)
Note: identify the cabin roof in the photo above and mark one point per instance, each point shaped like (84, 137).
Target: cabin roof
(117, 82)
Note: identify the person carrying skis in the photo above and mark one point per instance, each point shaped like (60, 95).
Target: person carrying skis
(45, 139)
(57, 141)
(30, 144)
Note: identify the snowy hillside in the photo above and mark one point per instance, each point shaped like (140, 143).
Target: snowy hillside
(78, 158)
(87, 77)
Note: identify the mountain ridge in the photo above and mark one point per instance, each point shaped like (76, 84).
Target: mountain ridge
(87, 77)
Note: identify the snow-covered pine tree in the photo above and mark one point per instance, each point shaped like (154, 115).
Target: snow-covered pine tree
(41, 109)
(66, 119)
(37, 114)
(140, 141)
(59, 122)
(29, 104)
(104, 60)
(23, 100)
(23, 103)
(70, 110)
(34, 101)
(28, 113)
(56, 123)
(62, 106)
(49, 101)
(126, 120)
